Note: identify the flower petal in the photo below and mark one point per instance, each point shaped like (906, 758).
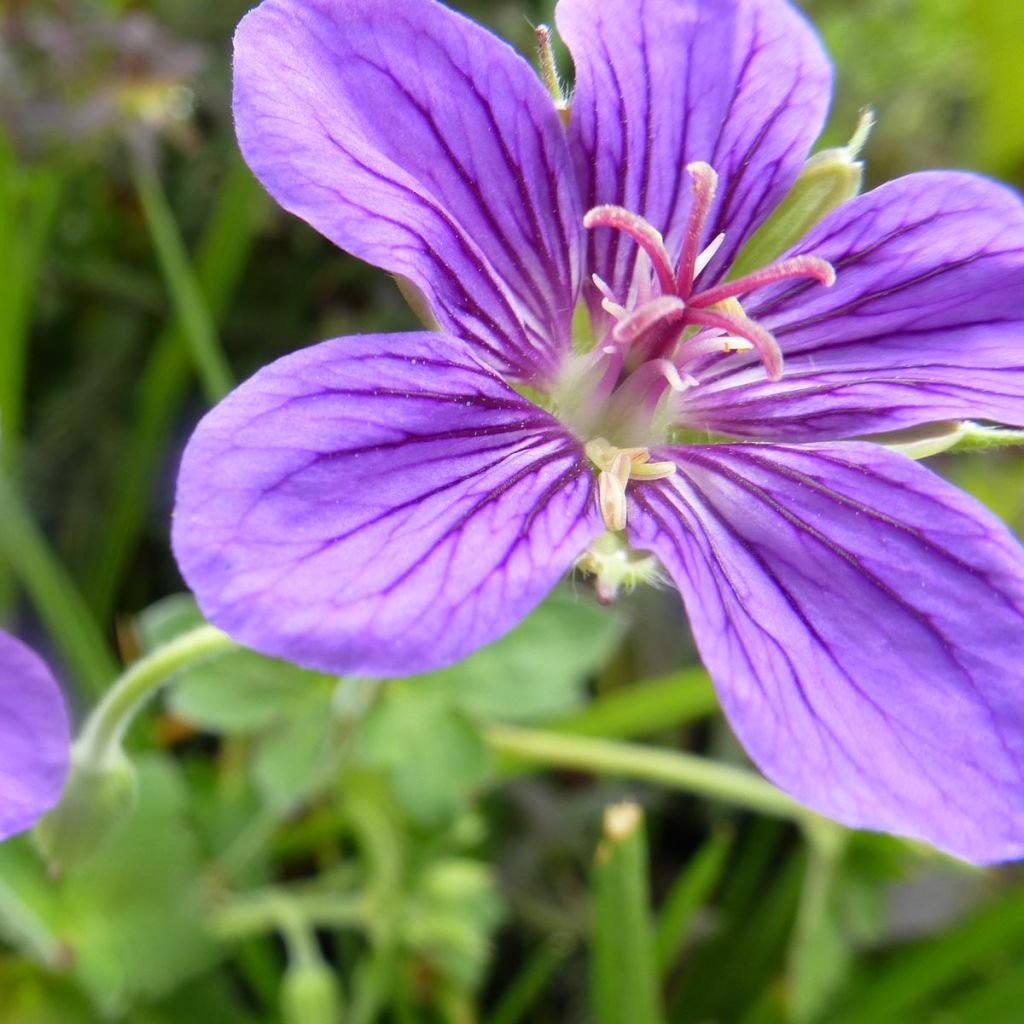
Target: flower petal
(864, 623)
(355, 510)
(422, 144)
(34, 737)
(924, 323)
(741, 84)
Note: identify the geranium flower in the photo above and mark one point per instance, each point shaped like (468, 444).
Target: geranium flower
(386, 504)
(34, 737)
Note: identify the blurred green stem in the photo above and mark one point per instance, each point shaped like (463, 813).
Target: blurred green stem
(651, 706)
(101, 736)
(187, 296)
(220, 259)
(29, 200)
(68, 619)
(681, 771)
(277, 909)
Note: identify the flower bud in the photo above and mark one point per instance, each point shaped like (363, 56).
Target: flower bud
(97, 799)
(828, 180)
(309, 995)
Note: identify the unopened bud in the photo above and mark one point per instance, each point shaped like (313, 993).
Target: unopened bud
(828, 180)
(97, 798)
(310, 995)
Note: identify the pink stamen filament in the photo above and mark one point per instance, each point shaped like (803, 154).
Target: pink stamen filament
(763, 341)
(666, 309)
(798, 266)
(705, 184)
(647, 237)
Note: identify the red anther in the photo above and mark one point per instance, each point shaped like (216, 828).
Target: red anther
(705, 184)
(645, 235)
(763, 341)
(798, 266)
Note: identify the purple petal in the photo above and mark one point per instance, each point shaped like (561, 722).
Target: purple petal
(741, 84)
(864, 623)
(34, 737)
(925, 321)
(424, 145)
(355, 510)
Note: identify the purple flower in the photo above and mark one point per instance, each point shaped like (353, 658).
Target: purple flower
(34, 737)
(386, 504)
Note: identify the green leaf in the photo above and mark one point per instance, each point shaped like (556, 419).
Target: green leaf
(129, 922)
(907, 979)
(236, 693)
(29, 995)
(689, 893)
(819, 956)
(434, 754)
(289, 761)
(541, 668)
(624, 966)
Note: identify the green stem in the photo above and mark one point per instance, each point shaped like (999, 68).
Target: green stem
(189, 302)
(68, 619)
(101, 736)
(220, 259)
(976, 435)
(276, 909)
(670, 768)
(652, 706)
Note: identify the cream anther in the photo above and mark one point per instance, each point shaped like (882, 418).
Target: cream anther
(616, 467)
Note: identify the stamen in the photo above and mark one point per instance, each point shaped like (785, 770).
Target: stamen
(707, 345)
(608, 302)
(666, 309)
(762, 340)
(705, 184)
(616, 467)
(611, 489)
(645, 235)
(709, 253)
(798, 266)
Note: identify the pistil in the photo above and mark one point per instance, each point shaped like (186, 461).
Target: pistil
(653, 330)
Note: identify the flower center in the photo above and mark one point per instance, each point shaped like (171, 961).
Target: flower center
(667, 331)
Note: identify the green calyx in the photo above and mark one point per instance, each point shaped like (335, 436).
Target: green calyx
(828, 180)
(98, 797)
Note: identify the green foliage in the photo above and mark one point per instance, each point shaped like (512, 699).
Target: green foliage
(127, 923)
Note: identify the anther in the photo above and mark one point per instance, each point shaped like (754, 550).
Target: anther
(616, 467)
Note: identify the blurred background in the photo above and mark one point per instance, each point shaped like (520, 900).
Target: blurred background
(357, 852)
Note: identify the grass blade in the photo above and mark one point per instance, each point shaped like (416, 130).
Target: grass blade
(624, 967)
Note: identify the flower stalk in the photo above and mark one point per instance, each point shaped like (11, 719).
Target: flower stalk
(100, 740)
(100, 789)
(670, 768)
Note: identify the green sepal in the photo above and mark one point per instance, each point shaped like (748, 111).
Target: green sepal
(97, 799)
(828, 180)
